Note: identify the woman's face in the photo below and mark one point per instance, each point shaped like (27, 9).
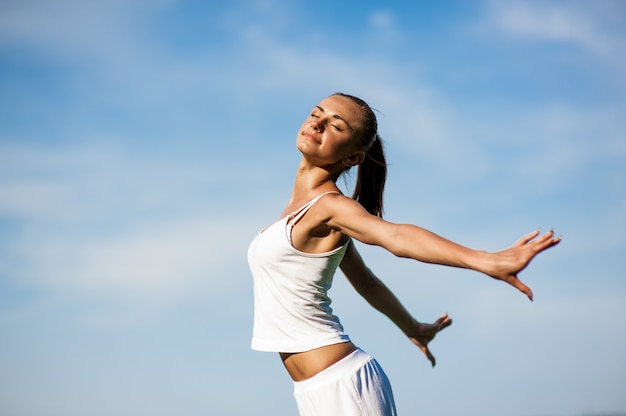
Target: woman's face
(329, 133)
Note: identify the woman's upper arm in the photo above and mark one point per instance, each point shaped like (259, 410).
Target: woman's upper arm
(349, 217)
(354, 268)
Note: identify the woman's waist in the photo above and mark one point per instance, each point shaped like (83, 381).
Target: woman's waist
(306, 364)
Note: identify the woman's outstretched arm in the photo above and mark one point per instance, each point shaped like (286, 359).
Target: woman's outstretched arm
(380, 297)
(411, 241)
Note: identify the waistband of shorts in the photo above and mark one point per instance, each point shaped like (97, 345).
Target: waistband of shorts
(347, 365)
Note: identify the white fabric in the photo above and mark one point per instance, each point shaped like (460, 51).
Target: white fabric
(354, 386)
(292, 310)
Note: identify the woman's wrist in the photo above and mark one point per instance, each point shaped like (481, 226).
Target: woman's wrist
(481, 261)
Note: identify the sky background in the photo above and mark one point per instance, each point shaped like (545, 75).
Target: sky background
(144, 143)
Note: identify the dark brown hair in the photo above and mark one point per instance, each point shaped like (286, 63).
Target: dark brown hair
(372, 172)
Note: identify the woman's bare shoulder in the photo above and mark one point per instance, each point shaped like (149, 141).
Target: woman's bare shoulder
(338, 204)
(348, 216)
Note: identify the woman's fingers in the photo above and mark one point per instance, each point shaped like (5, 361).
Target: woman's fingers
(429, 332)
(527, 238)
(429, 355)
(548, 240)
(522, 287)
(443, 321)
(538, 243)
(422, 344)
(521, 254)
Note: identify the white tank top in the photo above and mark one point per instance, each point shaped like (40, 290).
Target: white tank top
(292, 310)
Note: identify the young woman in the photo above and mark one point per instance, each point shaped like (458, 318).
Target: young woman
(293, 262)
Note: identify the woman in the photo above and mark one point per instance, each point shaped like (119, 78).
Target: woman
(293, 262)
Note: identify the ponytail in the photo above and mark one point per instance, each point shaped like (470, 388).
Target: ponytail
(371, 177)
(372, 173)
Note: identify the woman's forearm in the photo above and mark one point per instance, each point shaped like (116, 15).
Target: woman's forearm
(379, 296)
(414, 242)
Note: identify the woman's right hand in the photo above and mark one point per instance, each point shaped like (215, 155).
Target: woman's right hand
(424, 333)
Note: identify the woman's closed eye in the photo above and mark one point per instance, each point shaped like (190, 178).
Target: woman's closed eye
(336, 126)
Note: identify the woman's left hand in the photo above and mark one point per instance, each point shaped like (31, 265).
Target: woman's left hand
(506, 264)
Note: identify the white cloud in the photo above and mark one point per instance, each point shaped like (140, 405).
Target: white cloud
(69, 26)
(98, 220)
(596, 27)
(82, 183)
(557, 141)
(158, 262)
(382, 20)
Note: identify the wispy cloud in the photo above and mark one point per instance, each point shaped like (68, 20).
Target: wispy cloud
(94, 30)
(594, 28)
(162, 261)
(96, 220)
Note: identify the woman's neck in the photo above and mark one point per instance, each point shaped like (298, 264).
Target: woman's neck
(312, 180)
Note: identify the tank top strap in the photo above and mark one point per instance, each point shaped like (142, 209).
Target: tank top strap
(299, 213)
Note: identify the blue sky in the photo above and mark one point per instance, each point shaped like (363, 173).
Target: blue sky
(144, 143)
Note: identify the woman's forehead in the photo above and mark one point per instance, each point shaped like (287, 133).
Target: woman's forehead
(341, 106)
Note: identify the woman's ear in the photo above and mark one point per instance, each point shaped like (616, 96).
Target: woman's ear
(354, 159)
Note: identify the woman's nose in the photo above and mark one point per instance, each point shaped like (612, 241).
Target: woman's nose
(317, 125)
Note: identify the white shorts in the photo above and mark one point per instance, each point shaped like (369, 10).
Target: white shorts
(354, 386)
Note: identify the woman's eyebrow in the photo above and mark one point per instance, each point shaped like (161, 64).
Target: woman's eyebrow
(337, 116)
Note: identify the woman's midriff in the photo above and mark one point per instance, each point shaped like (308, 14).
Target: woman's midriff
(304, 365)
